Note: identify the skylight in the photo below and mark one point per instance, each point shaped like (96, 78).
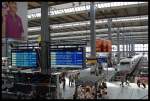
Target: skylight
(97, 31)
(84, 23)
(37, 12)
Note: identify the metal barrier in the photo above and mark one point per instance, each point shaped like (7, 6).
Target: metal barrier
(134, 71)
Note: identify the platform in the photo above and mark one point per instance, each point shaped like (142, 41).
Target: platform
(115, 91)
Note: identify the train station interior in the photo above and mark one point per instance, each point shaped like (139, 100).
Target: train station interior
(74, 50)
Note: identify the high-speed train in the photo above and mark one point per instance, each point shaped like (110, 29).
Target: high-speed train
(127, 64)
(145, 60)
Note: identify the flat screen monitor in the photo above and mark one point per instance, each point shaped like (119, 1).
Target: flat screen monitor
(67, 57)
(24, 58)
(102, 59)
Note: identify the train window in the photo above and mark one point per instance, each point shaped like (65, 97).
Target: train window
(124, 63)
(143, 75)
(144, 71)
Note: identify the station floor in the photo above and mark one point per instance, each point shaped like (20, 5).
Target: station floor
(115, 91)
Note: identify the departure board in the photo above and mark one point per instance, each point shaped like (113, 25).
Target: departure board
(102, 59)
(67, 57)
(24, 58)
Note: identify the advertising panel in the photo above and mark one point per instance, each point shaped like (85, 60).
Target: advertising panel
(103, 45)
(14, 20)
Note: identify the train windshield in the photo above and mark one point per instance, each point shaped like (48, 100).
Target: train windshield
(144, 71)
(124, 63)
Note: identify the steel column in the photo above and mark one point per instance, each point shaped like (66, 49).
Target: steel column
(45, 39)
(109, 29)
(110, 33)
(118, 45)
(123, 45)
(92, 30)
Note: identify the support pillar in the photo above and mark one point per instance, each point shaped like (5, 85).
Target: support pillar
(132, 46)
(45, 39)
(92, 30)
(118, 45)
(123, 44)
(126, 46)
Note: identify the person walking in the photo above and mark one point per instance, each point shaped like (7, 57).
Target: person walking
(122, 81)
(127, 79)
(138, 83)
(72, 80)
(144, 85)
(69, 80)
(63, 80)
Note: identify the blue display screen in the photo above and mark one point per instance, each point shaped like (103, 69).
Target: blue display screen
(67, 58)
(26, 58)
(102, 59)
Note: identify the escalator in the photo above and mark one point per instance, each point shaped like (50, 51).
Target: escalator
(118, 75)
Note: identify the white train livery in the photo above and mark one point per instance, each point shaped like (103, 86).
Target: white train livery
(128, 64)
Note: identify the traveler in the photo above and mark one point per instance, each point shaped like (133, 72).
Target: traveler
(127, 80)
(99, 92)
(82, 95)
(138, 83)
(100, 68)
(64, 82)
(122, 81)
(88, 94)
(69, 80)
(104, 85)
(144, 85)
(72, 79)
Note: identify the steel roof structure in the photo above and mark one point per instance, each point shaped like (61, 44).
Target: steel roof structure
(70, 21)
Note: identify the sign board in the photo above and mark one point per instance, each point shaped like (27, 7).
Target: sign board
(67, 57)
(14, 20)
(24, 58)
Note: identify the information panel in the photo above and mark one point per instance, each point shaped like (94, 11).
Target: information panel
(102, 59)
(67, 57)
(24, 58)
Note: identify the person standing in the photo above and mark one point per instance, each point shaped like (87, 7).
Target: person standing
(122, 81)
(64, 82)
(72, 80)
(69, 80)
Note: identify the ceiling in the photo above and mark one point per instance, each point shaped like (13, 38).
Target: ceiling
(119, 12)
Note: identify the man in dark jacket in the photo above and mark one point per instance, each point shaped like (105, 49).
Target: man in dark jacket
(122, 81)
(127, 79)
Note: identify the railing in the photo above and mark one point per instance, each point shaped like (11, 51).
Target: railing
(134, 71)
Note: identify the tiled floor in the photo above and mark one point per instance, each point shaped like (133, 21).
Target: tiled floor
(115, 91)
(68, 92)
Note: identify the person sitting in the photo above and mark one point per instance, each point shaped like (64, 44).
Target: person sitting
(82, 94)
(104, 85)
(99, 92)
(88, 94)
